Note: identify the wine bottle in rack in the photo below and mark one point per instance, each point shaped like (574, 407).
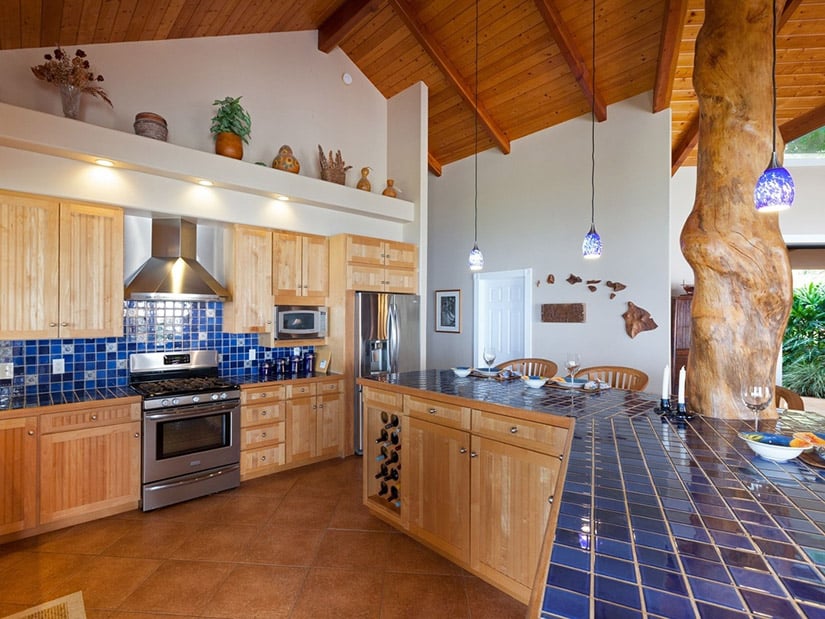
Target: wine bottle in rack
(393, 457)
(383, 438)
(385, 453)
(393, 422)
(392, 474)
(384, 489)
(383, 472)
(394, 497)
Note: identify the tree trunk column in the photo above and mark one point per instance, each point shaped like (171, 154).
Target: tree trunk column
(743, 290)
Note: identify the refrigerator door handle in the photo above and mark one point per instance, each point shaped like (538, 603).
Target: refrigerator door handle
(392, 337)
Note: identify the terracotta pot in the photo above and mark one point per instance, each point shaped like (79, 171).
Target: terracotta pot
(229, 145)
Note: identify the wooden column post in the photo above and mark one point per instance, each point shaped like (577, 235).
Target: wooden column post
(742, 273)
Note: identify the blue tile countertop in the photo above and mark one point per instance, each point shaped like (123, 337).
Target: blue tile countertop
(55, 398)
(660, 519)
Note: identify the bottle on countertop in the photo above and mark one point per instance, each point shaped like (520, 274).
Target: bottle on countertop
(280, 367)
(309, 363)
(265, 372)
(294, 365)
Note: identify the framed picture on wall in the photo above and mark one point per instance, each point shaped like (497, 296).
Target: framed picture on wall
(448, 311)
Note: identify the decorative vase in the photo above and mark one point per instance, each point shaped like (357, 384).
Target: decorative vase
(390, 190)
(364, 182)
(229, 145)
(286, 161)
(151, 125)
(70, 98)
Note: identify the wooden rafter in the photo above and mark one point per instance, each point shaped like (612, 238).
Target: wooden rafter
(803, 125)
(345, 18)
(434, 164)
(687, 142)
(450, 72)
(572, 56)
(672, 27)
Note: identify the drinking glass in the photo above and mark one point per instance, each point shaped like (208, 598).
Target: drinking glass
(489, 355)
(756, 397)
(573, 364)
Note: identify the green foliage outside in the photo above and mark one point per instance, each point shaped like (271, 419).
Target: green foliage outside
(814, 142)
(803, 350)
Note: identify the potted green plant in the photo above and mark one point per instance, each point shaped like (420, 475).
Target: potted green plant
(231, 127)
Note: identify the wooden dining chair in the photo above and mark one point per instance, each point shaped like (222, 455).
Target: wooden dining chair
(790, 398)
(616, 376)
(532, 366)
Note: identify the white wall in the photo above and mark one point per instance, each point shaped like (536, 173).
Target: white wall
(803, 223)
(534, 210)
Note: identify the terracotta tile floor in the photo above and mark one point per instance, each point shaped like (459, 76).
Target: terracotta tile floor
(297, 544)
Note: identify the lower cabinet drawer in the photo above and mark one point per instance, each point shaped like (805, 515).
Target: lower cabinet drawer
(266, 457)
(538, 436)
(262, 413)
(258, 436)
(438, 412)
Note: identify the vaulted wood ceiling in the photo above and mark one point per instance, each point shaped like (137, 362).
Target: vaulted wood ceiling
(534, 56)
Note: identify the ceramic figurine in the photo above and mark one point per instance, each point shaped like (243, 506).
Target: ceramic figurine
(390, 190)
(363, 182)
(286, 161)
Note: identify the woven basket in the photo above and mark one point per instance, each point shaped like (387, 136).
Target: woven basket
(334, 175)
(151, 125)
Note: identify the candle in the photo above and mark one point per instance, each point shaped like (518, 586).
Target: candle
(682, 386)
(666, 383)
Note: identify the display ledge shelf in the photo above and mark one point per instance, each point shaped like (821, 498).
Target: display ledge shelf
(48, 134)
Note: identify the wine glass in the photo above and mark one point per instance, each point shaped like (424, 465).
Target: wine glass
(756, 397)
(573, 364)
(489, 355)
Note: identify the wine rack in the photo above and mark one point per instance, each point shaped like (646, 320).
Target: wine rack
(383, 442)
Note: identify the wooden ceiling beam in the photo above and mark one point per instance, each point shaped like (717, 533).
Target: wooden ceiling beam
(788, 10)
(434, 164)
(572, 56)
(687, 142)
(343, 21)
(673, 25)
(803, 125)
(428, 42)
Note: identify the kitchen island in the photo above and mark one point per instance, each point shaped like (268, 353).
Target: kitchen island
(658, 518)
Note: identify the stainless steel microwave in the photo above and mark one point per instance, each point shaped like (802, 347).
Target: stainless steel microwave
(299, 322)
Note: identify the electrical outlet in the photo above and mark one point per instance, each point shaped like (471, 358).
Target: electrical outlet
(6, 370)
(253, 354)
(58, 366)
(296, 351)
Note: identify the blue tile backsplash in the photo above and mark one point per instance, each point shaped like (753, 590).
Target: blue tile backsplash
(148, 326)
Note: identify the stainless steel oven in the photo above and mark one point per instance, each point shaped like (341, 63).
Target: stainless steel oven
(191, 426)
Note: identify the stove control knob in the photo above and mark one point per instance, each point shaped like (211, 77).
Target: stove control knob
(164, 402)
(196, 398)
(175, 401)
(215, 396)
(223, 395)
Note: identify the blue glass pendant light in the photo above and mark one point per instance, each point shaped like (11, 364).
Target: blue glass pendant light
(476, 259)
(774, 190)
(592, 244)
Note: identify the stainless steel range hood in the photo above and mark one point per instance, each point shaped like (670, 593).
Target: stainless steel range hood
(173, 272)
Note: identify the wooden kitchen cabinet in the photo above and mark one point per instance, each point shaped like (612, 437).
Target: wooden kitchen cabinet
(379, 407)
(300, 268)
(18, 470)
(263, 430)
(61, 264)
(249, 280)
(314, 421)
(89, 461)
(375, 264)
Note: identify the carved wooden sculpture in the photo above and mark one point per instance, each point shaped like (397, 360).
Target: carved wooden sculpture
(743, 280)
(637, 319)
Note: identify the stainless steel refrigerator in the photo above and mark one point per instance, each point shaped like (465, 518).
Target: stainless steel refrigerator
(386, 340)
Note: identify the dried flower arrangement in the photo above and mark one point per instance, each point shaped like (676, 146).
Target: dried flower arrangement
(61, 68)
(334, 170)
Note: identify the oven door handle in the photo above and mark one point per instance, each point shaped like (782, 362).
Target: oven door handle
(194, 411)
(193, 480)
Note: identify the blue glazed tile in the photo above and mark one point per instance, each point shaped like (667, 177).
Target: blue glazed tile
(571, 557)
(663, 579)
(768, 605)
(569, 579)
(614, 548)
(738, 558)
(777, 549)
(666, 604)
(731, 540)
(649, 524)
(760, 581)
(707, 611)
(615, 568)
(689, 532)
(621, 533)
(710, 570)
(716, 593)
(617, 592)
(805, 590)
(605, 610)
(813, 612)
(562, 603)
(795, 569)
(657, 558)
(653, 540)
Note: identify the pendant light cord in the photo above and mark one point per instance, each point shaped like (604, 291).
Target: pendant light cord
(475, 121)
(593, 127)
(773, 75)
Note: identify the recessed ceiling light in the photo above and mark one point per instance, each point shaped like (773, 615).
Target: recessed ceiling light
(347, 78)
(105, 163)
(205, 183)
(283, 198)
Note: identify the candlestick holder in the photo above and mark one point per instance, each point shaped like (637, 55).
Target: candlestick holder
(664, 407)
(682, 413)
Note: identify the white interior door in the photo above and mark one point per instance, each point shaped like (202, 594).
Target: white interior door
(502, 315)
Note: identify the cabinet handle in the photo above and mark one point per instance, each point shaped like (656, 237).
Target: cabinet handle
(550, 499)
(263, 434)
(137, 434)
(94, 417)
(473, 454)
(433, 411)
(31, 432)
(263, 395)
(560, 457)
(64, 324)
(264, 413)
(263, 458)
(463, 450)
(320, 406)
(52, 324)
(514, 430)
(269, 322)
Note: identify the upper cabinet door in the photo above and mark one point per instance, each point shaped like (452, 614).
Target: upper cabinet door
(365, 250)
(91, 271)
(286, 264)
(315, 266)
(250, 281)
(29, 267)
